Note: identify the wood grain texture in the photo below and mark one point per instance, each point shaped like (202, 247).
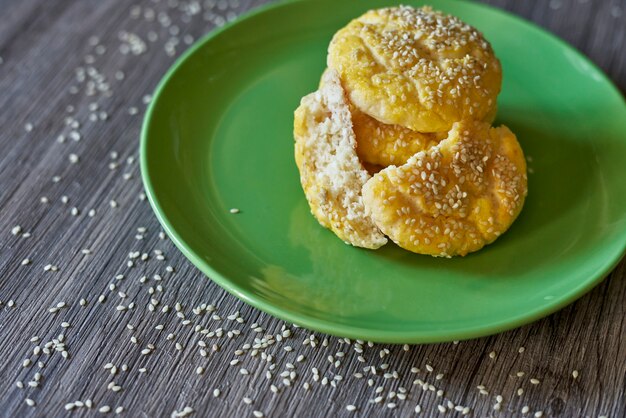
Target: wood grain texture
(42, 44)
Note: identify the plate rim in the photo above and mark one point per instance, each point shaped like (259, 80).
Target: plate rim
(327, 327)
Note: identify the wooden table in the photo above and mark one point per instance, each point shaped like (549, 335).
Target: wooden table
(74, 81)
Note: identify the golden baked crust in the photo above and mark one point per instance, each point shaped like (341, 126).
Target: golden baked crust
(417, 68)
(379, 144)
(330, 171)
(382, 144)
(455, 197)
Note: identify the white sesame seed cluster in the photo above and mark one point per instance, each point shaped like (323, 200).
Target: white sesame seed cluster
(404, 74)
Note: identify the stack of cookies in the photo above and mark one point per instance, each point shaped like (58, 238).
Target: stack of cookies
(397, 142)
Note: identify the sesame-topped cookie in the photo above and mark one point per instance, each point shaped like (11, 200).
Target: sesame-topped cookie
(417, 68)
(455, 197)
(330, 171)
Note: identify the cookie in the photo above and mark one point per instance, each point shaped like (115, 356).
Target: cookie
(455, 197)
(416, 68)
(330, 171)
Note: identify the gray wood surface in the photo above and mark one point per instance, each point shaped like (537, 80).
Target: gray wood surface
(43, 43)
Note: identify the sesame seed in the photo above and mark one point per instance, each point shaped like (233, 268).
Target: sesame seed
(29, 402)
(234, 210)
(258, 414)
(351, 408)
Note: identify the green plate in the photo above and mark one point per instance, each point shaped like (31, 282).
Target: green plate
(218, 135)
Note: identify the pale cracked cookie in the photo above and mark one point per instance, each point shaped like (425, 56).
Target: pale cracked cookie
(330, 171)
(455, 197)
(417, 68)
